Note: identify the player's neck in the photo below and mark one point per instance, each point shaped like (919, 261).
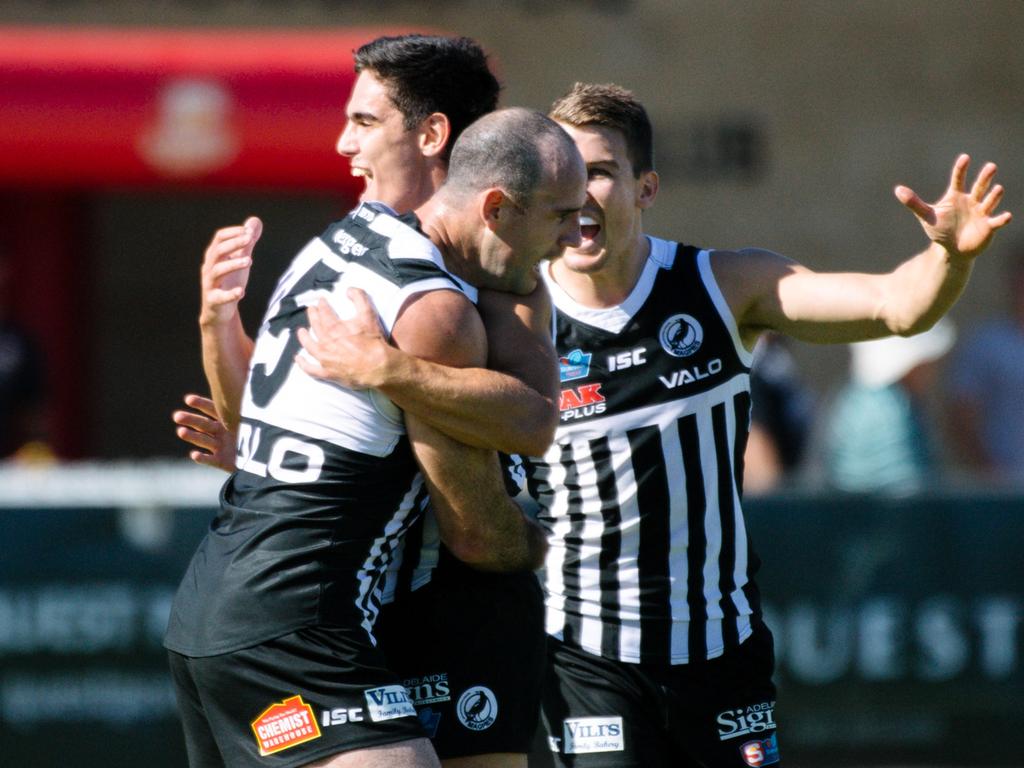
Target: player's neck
(610, 284)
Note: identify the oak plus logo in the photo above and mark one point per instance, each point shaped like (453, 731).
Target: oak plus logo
(581, 402)
(284, 725)
(681, 335)
(477, 708)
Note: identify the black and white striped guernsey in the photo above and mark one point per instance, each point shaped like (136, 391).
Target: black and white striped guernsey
(326, 484)
(640, 491)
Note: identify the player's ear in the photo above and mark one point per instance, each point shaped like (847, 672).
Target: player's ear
(435, 131)
(494, 207)
(646, 189)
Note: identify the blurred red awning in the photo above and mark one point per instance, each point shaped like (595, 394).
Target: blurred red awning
(88, 107)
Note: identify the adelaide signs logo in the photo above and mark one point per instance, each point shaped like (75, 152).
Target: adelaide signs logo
(681, 335)
(284, 725)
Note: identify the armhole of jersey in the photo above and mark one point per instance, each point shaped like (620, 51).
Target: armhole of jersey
(708, 276)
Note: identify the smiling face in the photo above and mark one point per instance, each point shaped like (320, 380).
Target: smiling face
(611, 219)
(381, 150)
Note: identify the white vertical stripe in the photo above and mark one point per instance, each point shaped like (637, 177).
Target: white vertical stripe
(712, 527)
(371, 571)
(679, 537)
(740, 569)
(555, 561)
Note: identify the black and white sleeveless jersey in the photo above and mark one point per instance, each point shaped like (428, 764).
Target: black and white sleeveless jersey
(640, 491)
(326, 484)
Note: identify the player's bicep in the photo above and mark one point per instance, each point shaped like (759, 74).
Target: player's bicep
(443, 327)
(519, 338)
(767, 291)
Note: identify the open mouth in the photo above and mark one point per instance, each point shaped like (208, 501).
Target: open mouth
(589, 228)
(361, 173)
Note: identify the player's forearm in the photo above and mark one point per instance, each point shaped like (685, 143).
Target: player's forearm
(477, 520)
(922, 289)
(226, 354)
(476, 406)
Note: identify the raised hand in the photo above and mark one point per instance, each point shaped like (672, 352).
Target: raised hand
(350, 351)
(225, 271)
(201, 427)
(961, 222)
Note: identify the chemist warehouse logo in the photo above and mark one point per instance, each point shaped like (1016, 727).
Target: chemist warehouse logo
(285, 725)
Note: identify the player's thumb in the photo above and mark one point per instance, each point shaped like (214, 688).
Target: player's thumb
(911, 200)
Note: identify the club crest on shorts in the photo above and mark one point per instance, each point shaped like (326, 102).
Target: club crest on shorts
(477, 708)
(681, 335)
(283, 725)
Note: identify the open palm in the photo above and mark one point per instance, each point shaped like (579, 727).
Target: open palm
(962, 222)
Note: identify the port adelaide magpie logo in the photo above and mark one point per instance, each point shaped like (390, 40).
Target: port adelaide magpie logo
(477, 708)
(681, 335)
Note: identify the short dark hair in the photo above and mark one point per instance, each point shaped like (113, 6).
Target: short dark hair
(611, 106)
(432, 73)
(507, 149)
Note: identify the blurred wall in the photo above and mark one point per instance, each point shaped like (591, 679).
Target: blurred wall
(783, 125)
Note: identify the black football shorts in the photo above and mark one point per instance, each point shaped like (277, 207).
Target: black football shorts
(290, 701)
(469, 647)
(721, 712)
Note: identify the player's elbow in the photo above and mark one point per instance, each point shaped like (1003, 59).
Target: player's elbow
(494, 552)
(536, 432)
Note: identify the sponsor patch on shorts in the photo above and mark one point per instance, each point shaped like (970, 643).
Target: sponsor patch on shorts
(283, 725)
(761, 752)
(583, 735)
(477, 708)
(388, 703)
(751, 720)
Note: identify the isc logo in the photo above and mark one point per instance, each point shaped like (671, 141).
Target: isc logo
(628, 359)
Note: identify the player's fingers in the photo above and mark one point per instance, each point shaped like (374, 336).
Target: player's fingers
(997, 222)
(201, 404)
(254, 226)
(198, 422)
(198, 439)
(310, 366)
(992, 199)
(226, 267)
(958, 177)
(911, 200)
(362, 304)
(308, 342)
(984, 181)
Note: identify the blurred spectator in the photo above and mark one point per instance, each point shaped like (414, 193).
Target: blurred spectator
(877, 435)
(22, 433)
(780, 417)
(987, 390)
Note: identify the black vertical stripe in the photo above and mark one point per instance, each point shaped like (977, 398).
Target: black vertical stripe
(742, 405)
(696, 506)
(655, 544)
(573, 545)
(611, 546)
(727, 525)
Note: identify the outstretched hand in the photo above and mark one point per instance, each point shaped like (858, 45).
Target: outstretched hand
(225, 272)
(961, 222)
(201, 427)
(351, 351)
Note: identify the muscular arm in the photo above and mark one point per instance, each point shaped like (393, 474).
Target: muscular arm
(768, 291)
(509, 406)
(478, 521)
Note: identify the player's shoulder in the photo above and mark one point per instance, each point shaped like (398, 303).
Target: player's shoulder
(444, 327)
